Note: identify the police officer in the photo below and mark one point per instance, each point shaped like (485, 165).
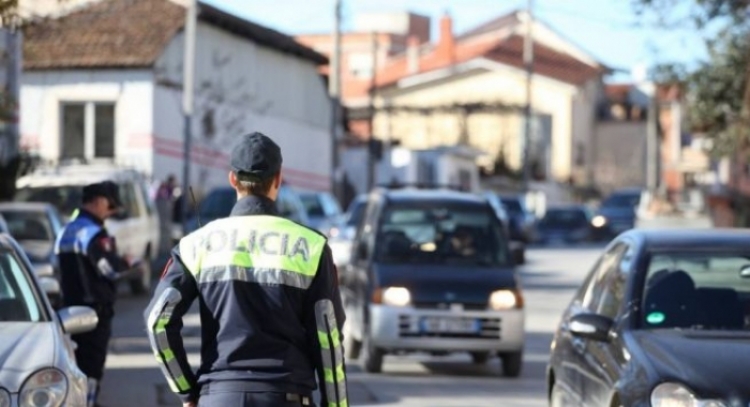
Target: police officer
(89, 266)
(271, 314)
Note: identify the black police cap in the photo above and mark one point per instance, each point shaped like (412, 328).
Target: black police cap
(255, 157)
(104, 189)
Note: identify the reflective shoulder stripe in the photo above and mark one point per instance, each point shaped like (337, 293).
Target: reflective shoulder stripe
(262, 249)
(332, 354)
(76, 236)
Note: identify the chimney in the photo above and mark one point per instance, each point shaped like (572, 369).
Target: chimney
(412, 54)
(446, 43)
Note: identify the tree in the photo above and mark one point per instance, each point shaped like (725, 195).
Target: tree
(717, 90)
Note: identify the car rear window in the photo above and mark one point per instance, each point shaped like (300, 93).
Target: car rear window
(441, 233)
(697, 290)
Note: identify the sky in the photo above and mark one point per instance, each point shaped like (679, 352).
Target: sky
(609, 30)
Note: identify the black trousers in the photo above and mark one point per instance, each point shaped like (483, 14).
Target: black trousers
(91, 350)
(236, 399)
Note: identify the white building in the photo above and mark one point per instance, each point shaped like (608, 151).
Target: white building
(105, 81)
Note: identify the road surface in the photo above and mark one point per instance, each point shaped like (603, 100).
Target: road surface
(549, 280)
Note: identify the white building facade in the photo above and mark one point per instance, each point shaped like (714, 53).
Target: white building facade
(93, 103)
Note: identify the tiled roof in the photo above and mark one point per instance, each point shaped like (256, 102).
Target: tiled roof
(131, 34)
(508, 51)
(547, 62)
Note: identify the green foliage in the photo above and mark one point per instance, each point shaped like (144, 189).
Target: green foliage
(716, 89)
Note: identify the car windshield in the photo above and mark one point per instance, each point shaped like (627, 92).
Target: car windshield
(218, 203)
(563, 218)
(622, 201)
(28, 225)
(434, 233)
(66, 198)
(697, 291)
(17, 300)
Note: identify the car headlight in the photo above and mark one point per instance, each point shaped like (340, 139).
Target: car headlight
(45, 388)
(598, 221)
(505, 299)
(4, 398)
(396, 296)
(677, 395)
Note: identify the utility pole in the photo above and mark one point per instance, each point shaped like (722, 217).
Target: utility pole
(528, 61)
(373, 84)
(188, 83)
(334, 91)
(652, 144)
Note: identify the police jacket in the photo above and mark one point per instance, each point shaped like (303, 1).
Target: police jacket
(270, 308)
(88, 261)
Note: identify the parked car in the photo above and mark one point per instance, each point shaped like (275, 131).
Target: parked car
(218, 203)
(320, 207)
(38, 361)
(136, 228)
(341, 230)
(517, 243)
(618, 210)
(662, 319)
(431, 271)
(521, 220)
(35, 226)
(569, 224)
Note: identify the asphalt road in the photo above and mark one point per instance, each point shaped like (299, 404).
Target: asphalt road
(549, 280)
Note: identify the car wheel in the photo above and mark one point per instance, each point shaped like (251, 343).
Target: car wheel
(352, 347)
(142, 284)
(372, 357)
(480, 358)
(512, 363)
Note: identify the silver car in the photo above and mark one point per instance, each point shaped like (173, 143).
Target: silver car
(37, 362)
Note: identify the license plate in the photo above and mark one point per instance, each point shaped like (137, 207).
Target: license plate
(450, 325)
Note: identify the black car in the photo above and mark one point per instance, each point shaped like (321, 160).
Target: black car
(618, 210)
(569, 224)
(431, 271)
(663, 320)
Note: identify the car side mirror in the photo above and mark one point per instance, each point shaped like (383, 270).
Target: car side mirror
(78, 319)
(591, 326)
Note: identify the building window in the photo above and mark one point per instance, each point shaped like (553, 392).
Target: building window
(88, 130)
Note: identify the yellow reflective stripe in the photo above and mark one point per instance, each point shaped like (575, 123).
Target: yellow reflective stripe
(323, 338)
(257, 241)
(161, 325)
(167, 354)
(182, 383)
(342, 403)
(329, 377)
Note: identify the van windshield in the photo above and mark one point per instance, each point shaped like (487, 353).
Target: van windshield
(66, 198)
(441, 233)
